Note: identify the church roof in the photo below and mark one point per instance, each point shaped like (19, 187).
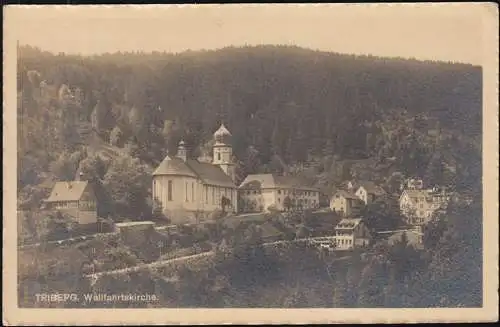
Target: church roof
(174, 166)
(67, 191)
(207, 172)
(210, 174)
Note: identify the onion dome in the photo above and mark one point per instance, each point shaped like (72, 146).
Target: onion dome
(222, 135)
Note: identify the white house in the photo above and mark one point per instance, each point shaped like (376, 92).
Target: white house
(418, 205)
(351, 233)
(190, 185)
(346, 203)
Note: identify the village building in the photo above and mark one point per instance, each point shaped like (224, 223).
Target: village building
(260, 192)
(418, 205)
(74, 198)
(414, 237)
(368, 191)
(414, 184)
(351, 233)
(191, 185)
(346, 204)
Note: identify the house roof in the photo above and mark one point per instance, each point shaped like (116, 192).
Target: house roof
(67, 191)
(210, 174)
(371, 187)
(346, 195)
(274, 181)
(174, 166)
(348, 223)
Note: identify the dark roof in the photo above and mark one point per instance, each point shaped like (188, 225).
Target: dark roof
(174, 166)
(207, 172)
(348, 223)
(346, 195)
(274, 181)
(210, 174)
(67, 191)
(258, 181)
(371, 187)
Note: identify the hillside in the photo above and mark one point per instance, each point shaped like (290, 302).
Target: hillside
(321, 113)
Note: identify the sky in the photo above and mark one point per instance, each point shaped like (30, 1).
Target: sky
(426, 32)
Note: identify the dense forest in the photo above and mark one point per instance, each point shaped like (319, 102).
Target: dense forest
(323, 115)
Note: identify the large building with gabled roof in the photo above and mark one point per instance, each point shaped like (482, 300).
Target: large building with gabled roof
(259, 192)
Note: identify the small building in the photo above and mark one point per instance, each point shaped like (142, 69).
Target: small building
(414, 237)
(368, 191)
(418, 205)
(75, 198)
(346, 204)
(351, 233)
(258, 192)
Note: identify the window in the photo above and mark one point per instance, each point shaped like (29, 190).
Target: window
(213, 195)
(254, 192)
(206, 194)
(218, 156)
(186, 191)
(169, 190)
(279, 200)
(279, 191)
(192, 191)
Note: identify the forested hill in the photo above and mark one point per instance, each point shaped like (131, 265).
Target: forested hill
(297, 103)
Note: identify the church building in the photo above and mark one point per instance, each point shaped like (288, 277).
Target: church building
(181, 183)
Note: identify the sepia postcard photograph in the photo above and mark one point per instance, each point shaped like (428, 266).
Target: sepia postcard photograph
(250, 164)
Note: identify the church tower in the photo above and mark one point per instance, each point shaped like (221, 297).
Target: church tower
(181, 151)
(223, 151)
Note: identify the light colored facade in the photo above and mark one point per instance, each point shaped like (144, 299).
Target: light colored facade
(351, 233)
(75, 198)
(184, 184)
(419, 205)
(259, 192)
(346, 204)
(368, 192)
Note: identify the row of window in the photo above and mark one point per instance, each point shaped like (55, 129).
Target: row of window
(84, 205)
(345, 242)
(285, 192)
(216, 192)
(293, 192)
(300, 201)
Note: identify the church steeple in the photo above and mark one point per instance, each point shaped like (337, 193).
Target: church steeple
(223, 151)
(181, 151)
